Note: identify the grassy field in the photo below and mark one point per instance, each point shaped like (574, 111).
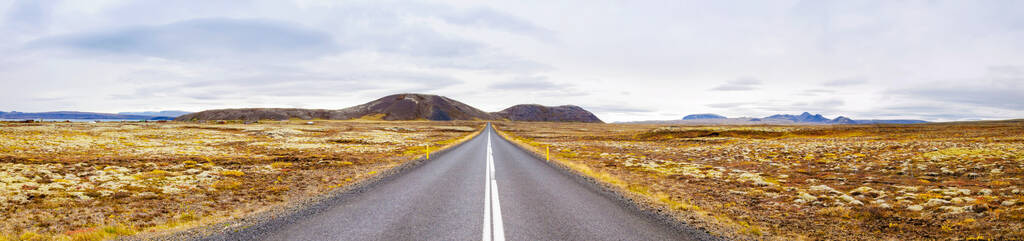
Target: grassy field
(958, 181)
(92, 181)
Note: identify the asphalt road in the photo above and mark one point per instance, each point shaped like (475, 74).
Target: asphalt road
(486, 189)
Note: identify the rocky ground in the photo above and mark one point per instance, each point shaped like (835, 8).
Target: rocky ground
(90, 181)
(869, 182)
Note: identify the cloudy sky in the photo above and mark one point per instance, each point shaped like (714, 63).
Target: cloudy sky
(623, 60)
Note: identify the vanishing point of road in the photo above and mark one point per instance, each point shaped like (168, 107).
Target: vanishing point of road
(484, 189)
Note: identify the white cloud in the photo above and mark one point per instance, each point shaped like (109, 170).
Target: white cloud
(937, 60)
(845, 82)
(526, 83)
(201, 39)
(740, 84)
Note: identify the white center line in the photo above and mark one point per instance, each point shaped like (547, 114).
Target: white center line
(487, 195)
(491, 204)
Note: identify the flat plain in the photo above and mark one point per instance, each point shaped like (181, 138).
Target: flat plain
(94, 181)
(959, 181)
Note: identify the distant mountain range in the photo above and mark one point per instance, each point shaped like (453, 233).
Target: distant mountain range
(817, 118)
(434, 107)
(165, 113)
(392, 107)
(703, 116)
(781, 119)
(404, 107)
(77, 115)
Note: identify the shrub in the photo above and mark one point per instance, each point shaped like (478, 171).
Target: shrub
(188, 217)
(232, 173)
(118, 230)
(106, 232)
(228, 184)
(750, 229)
(32, 236)
(842, 212)
(639, 189)
(927, 196)
(280, 165)
(152, 174)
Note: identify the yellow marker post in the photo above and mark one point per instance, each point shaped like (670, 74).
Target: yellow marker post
(427, 148)
(547, 152)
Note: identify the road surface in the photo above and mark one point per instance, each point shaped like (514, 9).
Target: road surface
(485, 189)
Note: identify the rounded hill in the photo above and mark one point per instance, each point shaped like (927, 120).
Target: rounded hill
(534, 112)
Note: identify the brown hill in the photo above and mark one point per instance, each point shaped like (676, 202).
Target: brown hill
(415, 107)
(392, 107)
(533, 112)
(257, 114)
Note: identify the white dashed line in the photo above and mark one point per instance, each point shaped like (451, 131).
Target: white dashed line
(492, 223)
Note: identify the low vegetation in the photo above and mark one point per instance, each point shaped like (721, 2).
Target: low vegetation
(959, 181)
(94, 181)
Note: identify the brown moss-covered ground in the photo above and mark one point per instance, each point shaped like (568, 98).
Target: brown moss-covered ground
(89, 181)
(959, 181)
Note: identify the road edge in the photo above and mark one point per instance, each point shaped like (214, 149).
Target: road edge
(640, 204)
(267, 219)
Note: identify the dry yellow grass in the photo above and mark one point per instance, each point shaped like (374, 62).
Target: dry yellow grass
(861, 182)
(83, 181)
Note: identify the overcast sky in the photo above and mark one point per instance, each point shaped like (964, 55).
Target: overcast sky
(623, 60)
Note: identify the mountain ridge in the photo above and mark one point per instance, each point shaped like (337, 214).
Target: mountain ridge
(76, 115)
(407, 106)
(802, 118)
(163, 113)
(392, 107)
(535, 112)
(703, 116)
(777, 119)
